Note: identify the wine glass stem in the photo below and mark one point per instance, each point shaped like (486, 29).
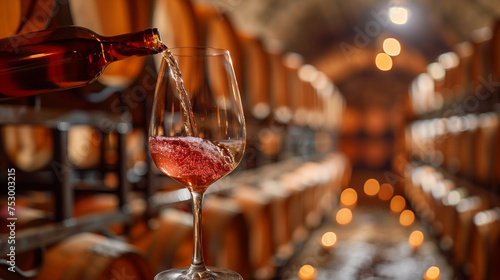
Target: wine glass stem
(197, 264)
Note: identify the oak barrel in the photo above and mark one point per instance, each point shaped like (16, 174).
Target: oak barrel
(226, 235)
(93, 257)
(256, 206)
(165, 241)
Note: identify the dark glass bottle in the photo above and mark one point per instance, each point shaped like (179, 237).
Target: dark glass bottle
(65, 57)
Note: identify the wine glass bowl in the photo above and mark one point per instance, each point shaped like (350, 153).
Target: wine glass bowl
(197, 133)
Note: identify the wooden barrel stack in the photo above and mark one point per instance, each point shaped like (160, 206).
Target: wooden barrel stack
(464, 133)
(484, 260)
(98, 169)
(91, 256)
(256, 208)
(165, 241)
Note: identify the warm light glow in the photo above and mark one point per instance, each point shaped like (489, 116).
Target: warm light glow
(348, 197)
(398, 204)
(293, 60)
(391, 46)
(436, 71)
(371, 187)
(283, 114)
(486, 217)
(469, 204)
(416, 239)
(441, 188)
(321, 81)
(328, 239)
(307, 73)
(398, 14)
(261, 110)
(406, 218)
(432, 273)
(453, 198)
(383, 62)
(344, 216)
(425, 84)
(307, 272)
(449, 60)
(386, 192)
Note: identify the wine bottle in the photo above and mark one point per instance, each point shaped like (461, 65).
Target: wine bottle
(65, 57)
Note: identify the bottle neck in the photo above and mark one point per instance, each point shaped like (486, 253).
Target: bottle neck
(133, 44)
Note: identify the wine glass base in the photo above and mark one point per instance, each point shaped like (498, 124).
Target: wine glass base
(212, 273)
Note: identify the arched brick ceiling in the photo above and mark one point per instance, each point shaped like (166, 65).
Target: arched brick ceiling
(322, 30)
(310, 27)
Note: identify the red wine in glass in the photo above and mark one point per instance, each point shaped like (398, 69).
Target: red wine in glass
(194, 162)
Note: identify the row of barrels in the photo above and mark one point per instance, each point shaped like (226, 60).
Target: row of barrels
(452, 179)
(464, 80)
(464, 219)
(253, 227)
(466, 146)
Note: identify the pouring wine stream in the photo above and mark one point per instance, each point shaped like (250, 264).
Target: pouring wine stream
(191, 127)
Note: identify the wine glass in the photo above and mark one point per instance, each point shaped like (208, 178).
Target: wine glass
(197, 134)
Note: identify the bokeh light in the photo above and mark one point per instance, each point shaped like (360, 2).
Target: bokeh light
(386, 192)
(344, 216)
(406, 218)
(416, 239)
(398, 204)
(349, 197)
(307, 272)
(433, 273)
(398, 14)
(436, 71)
(449, 60)
(391, 46)
(383, 62)
(371, 187)
(453, 198)
(329, 239)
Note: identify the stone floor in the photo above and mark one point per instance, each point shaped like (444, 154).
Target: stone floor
(373, 246)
